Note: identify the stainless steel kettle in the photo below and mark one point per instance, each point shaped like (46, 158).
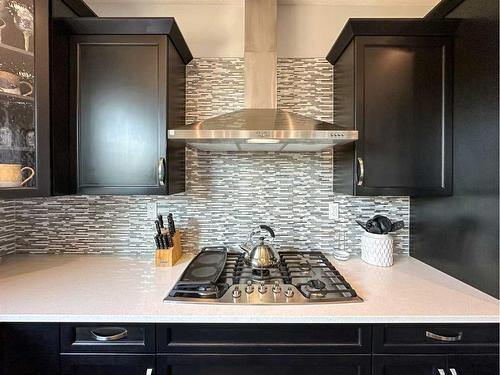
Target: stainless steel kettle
(260, 255)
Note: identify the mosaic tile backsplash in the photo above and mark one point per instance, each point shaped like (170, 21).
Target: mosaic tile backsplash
(227, 193)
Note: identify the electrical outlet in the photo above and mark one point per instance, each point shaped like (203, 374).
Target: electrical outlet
(333, 211)
(152, 211)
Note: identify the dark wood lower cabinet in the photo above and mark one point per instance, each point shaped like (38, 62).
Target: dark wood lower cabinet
(108, 364)
(29, 349)
(246, 349)
(257, 364)
(409, 364)
(420, 364)
(473, 364)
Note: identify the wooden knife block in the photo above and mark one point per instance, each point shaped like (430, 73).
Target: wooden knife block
(168, 257)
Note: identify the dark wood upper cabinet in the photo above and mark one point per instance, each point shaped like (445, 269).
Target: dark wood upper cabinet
(126, 89)
(393, 83)
(24, 99)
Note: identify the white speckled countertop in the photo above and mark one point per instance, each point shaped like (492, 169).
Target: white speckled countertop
(102, 288)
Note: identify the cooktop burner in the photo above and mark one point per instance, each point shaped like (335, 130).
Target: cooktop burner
(216, 276)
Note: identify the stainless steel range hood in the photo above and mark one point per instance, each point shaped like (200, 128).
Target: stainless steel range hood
(262, 130)
(261, 127)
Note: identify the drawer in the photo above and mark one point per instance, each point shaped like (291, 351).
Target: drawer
(275, 364)
(264, 338)
(108, 364)
(107, 338)
(435, 338)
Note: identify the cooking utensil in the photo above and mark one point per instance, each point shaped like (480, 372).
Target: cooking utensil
(160, 219)
(158, 228)
(171, 224)
(157, 242)
(261, 255)
(380, 225)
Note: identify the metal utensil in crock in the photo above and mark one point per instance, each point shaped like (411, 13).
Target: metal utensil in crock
(261, 255)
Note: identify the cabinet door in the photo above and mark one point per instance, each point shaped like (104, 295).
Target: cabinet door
(403, 115)
(257, 364)
(119, 103)
(29, 349)
(24, 98)
(473, 364)
(108, 364)
(409, 365)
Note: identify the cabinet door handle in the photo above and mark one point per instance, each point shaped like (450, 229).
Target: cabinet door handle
(441, 371)
(437, 337)
(109, 333)
(453, 371)
(161, 171)
(361, 175)
(149, 371)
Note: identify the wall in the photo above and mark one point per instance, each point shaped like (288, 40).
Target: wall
(7, 227)
(306, 28)
(460, 234)
(227, 193)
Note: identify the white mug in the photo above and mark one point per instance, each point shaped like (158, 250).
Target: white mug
(11, 175)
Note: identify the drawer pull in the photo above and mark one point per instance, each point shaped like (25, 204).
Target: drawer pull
(109, 333)
(437, 337)
(453, 371)
(361, 176)
(161, 171)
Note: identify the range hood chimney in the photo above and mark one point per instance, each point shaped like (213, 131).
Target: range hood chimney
(261, 126)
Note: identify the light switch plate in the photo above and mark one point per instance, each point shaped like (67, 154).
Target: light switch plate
(152, 211)
(333, 211)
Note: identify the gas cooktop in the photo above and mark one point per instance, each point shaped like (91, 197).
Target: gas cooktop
(218, 276)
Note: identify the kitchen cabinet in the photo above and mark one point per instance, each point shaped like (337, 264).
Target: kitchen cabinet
(251, 364)
(25, 106)
(29, 348)
(247, 349)
(24, 98)
(393, 83)
(416, 349)
(473, 364)
(111, 364)
(431, 364)
(126, 89)
(409, 364)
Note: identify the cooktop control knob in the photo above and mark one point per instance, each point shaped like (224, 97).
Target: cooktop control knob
(262, 288)
(276, 287)
(289, 293)
(236, 292)
(249, 287)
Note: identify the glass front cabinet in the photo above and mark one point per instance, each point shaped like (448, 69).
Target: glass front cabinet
(24, 98)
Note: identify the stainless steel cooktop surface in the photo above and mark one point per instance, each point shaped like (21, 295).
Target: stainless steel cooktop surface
(218, 276)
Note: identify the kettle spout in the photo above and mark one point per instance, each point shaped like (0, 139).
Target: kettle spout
(245, 247)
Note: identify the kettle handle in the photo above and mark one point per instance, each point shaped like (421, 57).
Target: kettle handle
(269, 229)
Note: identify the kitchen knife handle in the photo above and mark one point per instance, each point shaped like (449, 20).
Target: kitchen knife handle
(361, 175)
(161, 171)
(158, 227)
